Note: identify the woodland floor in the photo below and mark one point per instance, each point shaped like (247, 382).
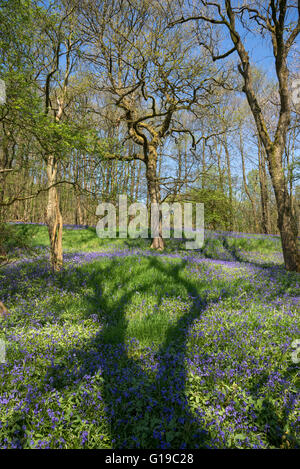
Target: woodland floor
(129, 348)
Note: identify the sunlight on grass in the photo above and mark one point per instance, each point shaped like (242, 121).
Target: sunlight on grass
(126, 348)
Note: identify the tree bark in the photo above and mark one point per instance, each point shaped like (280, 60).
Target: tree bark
(264, 196)
(229, 180)
(274, 148)
(54, 218)
(138, 181)
(78, 210)
(4, 164)
(286, 217)
(154, 193)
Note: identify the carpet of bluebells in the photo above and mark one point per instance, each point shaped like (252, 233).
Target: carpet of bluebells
(130, 348)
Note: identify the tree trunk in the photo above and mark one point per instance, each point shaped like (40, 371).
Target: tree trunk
(286, 218)
(2, 188)
(252, 201)
(154, 193)
(78, 210)
(203, 165)
(138, 181)
(3, 165)
(229, 180)
(132, 181)
(264, 196)
(220, 170)
(54, 218)
(274, 148)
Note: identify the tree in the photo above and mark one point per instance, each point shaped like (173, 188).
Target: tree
(16, 68)
(150, 74)
(59, 132)
(280, 20)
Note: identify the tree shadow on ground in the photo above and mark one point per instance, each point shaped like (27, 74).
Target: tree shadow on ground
(269, 417)
(145, 398)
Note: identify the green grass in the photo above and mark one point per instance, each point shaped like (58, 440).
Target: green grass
(264, 245)
(87, 240)
(147, 351)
